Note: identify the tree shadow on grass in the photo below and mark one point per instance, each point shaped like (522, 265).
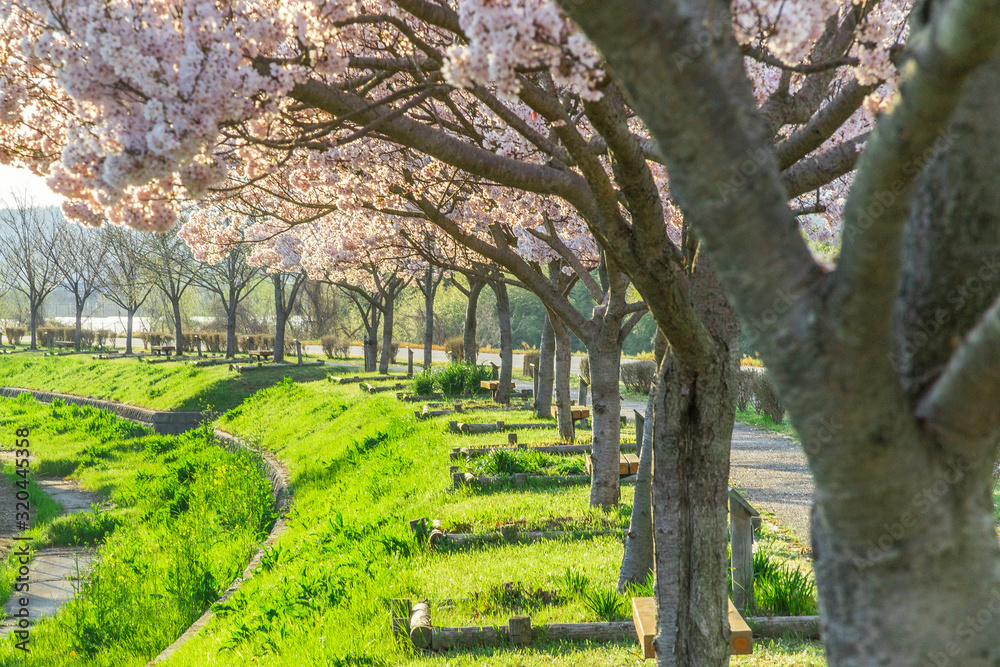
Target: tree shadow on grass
(228, 393)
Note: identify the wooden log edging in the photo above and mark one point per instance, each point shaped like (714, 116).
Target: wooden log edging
(459, 479)
(272, 468)
(473, 452)
(514, 536)
(487, 427)
(517, 632)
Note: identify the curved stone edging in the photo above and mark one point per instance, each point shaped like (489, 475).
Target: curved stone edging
(278, 475)
(164, 422)
(271, 466)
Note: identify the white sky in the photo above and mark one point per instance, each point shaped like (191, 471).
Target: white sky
(17, 181)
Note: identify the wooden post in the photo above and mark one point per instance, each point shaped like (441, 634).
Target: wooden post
(512, 439)
(534, 376)
(421, 630)
(197, 342)
(298, 350)
(519, 630)
(582, 398)
(457, 479)
(741, 546)
(400, 608)
(495, 371)
(409, 362)
(640, 424)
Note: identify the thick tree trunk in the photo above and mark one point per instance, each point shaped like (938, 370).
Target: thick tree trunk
(79, 325)
(564, 360)
(371, 342)
(693, 423)
(128, 330)
(231, 332)
(470, 342)
(637, 563)
(33, 308)
(506, 342)
(429, 288)
(178, 327)
(604, 353)
(279, 335)
(388, 312)
(546, 368)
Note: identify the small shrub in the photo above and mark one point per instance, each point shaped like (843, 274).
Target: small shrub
(14, 334)
(745, 381)
(393, 351)
(104, 337)
(638, 376)
(451, 379)
(328, 343)
(46, 336)
(767, 398)
(455, 349)
(423, 384)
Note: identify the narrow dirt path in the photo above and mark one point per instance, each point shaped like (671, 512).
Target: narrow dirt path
(772, 472)
(54, 573)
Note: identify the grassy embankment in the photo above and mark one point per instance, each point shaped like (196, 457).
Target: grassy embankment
(179, 520)
(361, 467)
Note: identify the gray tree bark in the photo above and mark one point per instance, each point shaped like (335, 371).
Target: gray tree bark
(546, 368)
(564, 360)
(470, 344)
(604, 353)
(506, 341)
(178, 332)
(637, 563)
(429, 289)
(388, 314)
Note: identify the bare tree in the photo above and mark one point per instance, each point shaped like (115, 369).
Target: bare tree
(232, 279)
(286, 289)
(124, 278)
(30, 239)
(428, 284)
(376, 303)
(82, 252)
(173, 269)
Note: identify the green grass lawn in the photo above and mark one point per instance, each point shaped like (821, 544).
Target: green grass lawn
(361, 467)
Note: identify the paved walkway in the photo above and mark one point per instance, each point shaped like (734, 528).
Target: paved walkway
(53, 575)
(772, 472)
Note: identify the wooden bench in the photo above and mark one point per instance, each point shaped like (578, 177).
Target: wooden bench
(577, 412)
(493, 386)
(162, 349)
(628, 464)
(644, 617)
(261, 355)
(65, 344)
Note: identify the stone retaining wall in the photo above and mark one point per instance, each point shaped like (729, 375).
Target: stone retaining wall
(162, 422)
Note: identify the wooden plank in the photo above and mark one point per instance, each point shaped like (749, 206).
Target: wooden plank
(633, 463)
(740, 634)
(741, 551)
(644, 618)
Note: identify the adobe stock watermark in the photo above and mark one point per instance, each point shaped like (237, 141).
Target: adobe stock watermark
(968, 628)
(921, 504)
(924, 331)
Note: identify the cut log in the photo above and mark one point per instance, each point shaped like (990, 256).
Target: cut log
(421, 630)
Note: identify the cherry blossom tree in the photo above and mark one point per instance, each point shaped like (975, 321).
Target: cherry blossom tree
(381, 107)
(172, 269)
